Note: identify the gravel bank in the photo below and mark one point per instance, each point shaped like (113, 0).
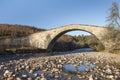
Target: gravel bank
(35, 67)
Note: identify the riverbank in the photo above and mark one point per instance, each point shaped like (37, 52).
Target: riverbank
(33, 66)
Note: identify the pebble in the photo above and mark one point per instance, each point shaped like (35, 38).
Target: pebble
(35, 75)
(10, 78)
(108, 71)
(59, 66)
(110, 76)
(31, 71)
(7, 73)
(52, 67)
(29, 79)
(56, 76)
(90, 77)
(18, 79)
(37, 78)
(27, 67)
(24, 76)
(43, 79)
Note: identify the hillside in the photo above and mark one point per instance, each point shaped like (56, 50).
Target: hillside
(14, 31)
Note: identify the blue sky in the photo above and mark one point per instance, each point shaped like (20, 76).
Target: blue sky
(49, 14)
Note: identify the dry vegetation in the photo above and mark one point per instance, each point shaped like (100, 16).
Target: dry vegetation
(67, 42)
(64, 43)
(13, 31)
(114, 36)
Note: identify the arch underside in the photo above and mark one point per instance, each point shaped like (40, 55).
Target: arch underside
(57, 36)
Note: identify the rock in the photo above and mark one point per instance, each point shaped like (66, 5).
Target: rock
(5, 68)
(42, 75)
(14, 75)
(29, 78)
(117, 73)
(35, 75)
(59, 60)
(108, 71)
(37, 78)
(27, 67)
(43, 79)
(102, 74)
(107, 66)
(56, 76)
(10, 78)
(22, 67)
(51, 75)
(90, 77)
(69, 78)
(18, 79)
(7, 73)
(1, 66)
(24, 76)
(44, 70)
(116, 76)
(55, 65)
(31, 71)
(79, 76)
(59, 66)
(110, 76)
(55, 70)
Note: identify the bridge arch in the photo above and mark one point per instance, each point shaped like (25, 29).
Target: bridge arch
(53, 41)
(45, 39)
(62, 30)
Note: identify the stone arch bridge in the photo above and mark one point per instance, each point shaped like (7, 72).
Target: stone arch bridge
(46, 39)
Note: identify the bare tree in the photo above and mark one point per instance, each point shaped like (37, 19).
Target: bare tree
(114, 17)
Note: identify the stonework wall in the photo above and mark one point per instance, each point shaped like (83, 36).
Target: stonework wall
(46, 39)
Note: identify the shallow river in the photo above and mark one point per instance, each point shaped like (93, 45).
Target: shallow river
(85, 66)
(76, 51)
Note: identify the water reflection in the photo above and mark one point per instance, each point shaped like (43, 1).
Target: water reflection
(71, 68)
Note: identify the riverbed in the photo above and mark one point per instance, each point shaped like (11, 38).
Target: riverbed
(35, 67)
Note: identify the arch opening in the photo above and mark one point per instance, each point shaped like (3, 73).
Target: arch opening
(97, 45)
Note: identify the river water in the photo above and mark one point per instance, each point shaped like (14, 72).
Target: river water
(85, 66)
(76, 51)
